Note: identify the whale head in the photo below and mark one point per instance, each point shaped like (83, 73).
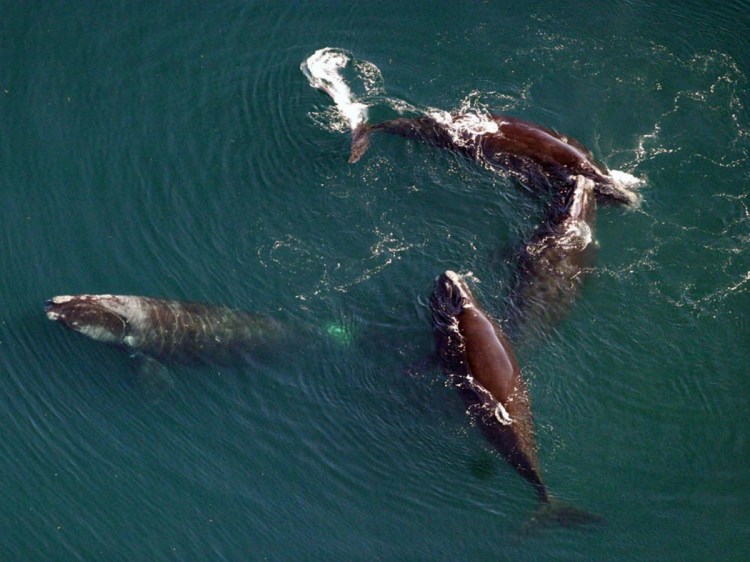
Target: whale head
(99, 317)
(450, 296)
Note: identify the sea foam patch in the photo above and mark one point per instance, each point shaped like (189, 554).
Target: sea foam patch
(324, 71)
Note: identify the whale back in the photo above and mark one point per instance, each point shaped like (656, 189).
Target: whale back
(478, 357)
(425, 129)
(542, 159)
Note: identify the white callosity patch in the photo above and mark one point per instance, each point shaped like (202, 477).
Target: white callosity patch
(132, 310)
(62, 299)
(502, 415)
(459, 283)
(135, 311)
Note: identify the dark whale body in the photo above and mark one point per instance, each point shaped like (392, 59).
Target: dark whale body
(474, 351)
(541, 158)
(478, 357)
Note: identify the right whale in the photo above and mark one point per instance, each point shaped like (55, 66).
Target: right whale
(539, 156)
(481, 364)
(184, 332)
(157, 331)
(553, 263)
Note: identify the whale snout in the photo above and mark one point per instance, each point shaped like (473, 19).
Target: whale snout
(451, 288)
(56, 306)
(450, 296)
(50, 305)
(52, 310)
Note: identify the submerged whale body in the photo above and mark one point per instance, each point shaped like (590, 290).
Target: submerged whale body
(552, 265)
(539, 156)
(185, 332)
(478, 357)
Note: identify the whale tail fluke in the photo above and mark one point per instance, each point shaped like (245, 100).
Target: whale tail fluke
(558, 513)
(360, 141)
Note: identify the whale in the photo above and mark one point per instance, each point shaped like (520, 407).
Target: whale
(552, 265)
(159, 330)
(475, 352)
(539, 157)
(479, 360)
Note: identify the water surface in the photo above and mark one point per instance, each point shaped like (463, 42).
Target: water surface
(175, 150)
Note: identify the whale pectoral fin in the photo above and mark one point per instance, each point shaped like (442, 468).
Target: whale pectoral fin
(152, 377)
(360, 142)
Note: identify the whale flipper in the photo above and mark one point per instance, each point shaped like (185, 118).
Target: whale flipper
(152, 377)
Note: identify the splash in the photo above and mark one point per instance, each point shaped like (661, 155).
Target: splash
(466, 126)
(334, 71)
(629, 181)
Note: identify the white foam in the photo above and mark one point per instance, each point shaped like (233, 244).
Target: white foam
(465, 128)
(323, 70)
(625, 179)
(476, 124)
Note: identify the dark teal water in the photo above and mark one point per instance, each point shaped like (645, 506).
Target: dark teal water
(175, 150)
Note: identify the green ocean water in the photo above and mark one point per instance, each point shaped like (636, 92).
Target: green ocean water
(176, 150)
